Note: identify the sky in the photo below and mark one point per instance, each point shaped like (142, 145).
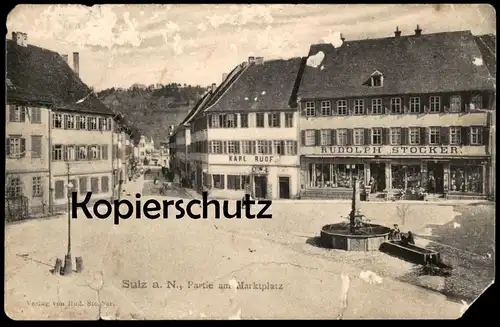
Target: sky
(120, 45)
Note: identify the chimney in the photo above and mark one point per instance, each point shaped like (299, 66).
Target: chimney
(214, 87)
(20, 38)
(251, 60)
(224, 76)
(65, 58)
(397, 33)
(76, 63)
(418, 31)
(342, 37)
(259, 60)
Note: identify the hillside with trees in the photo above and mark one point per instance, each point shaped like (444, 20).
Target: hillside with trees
(153, 109)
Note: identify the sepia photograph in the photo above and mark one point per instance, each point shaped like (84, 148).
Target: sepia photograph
(249, 161)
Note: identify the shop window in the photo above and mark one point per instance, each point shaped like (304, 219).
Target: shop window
(234, 182)
(406, 177)
(218, 181)
(466, 179)
(327, 175)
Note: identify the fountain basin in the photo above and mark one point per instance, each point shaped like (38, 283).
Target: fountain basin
(367, 238)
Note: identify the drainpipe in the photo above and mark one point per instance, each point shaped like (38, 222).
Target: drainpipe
(51, 189)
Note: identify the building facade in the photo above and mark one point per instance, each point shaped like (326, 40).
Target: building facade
(401, 114)
(243, 136)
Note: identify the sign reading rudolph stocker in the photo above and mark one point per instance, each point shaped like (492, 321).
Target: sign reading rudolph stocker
(424, 150)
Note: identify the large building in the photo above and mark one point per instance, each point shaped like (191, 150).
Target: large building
(245, 135)
(407, 112)
(72, 144)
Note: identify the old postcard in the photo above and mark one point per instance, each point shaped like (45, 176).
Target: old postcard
(240, 162)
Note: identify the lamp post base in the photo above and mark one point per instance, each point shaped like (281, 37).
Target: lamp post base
(68, 265)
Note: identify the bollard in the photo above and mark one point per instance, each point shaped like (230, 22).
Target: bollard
(79, 264)
(57, 267)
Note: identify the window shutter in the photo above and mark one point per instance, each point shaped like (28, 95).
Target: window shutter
(444, 134)
(486, 136)
(303, 138)
(367, 136)
(282, 144)
(23, 147)
(350, 140)
(317, 109)
(279, 119)
(465, 136)
(12, 113)
(426, 131)
(89, 152)
(224, 147)
(423, 136)
(317, 134)
(22, 113)
(65, 152)
(269, 119)
(386, 133)
(405, 136)
(89, 120)
(333, 140)
(105, 152)
(7, 146)
(65, 121)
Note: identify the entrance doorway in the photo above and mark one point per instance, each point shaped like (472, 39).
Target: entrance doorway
(377, 171)
(260, 186)
(284, 188)
(435, 182)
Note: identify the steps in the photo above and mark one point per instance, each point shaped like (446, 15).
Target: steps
(326, 193)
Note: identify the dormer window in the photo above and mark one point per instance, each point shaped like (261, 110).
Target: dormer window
(376, 79)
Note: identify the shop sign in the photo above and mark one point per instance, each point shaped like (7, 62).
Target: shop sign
(251, 159)
(393, 150)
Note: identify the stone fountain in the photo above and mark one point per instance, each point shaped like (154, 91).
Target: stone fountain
(357, 234)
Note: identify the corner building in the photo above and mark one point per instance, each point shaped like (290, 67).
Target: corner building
(245, 133)
(412, 112)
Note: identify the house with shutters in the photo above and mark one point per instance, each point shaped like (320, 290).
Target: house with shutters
(59, 133)
(404, 114)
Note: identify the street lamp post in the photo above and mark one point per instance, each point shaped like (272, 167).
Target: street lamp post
(68, 266)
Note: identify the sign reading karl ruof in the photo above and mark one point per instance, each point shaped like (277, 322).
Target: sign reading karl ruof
(263, 159)
(393, 150)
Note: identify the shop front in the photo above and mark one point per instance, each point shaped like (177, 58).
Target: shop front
(330, 173)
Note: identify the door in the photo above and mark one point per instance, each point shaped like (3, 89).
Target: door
(435, 179)
(260, 187)
(284, 183)
(377, 171)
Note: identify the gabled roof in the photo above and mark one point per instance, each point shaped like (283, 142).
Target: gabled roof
(39, 75)
(197, 106)
(488, 46)
(260, 87)
(410, 64)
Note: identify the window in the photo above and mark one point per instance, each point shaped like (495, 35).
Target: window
(57, 121)
(310, 109)
(434, 135)
(466, 178)
(289, 119)
(414, 135)
(228, 120)
(14, 187)
(81, 122)
(36, 146)
(17, 114)
(57, 152)
(94, 184)
(69, 121)
(104, 124)
(264, 147)
(434, 104)
(342, 107)
(291, 148)
(105, 184)
(215, 123)
(104, 150)
(278, 147)
(310, 137)
(455, 135)
(476, 102)
(274, 120)
(83, 185)
(69, 152)
(376, 79)
(395, 136)
(476, 136)
(359, 136)
(414, 105)
(59, 190)
(326, 137)
(248, 147)
(94, 152)
(326, 108)
(37, 187)
(92, 123)
(16, 147)
(377, 106)
(234, 182)
(218, 181)
(36, 116)
(259, 120)
(216, 147)
(377, 136)
(341, 136)
(81, 153)
(233, 147)
(455, 103)
(244, 120)
(359, 106)
(396, 106)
